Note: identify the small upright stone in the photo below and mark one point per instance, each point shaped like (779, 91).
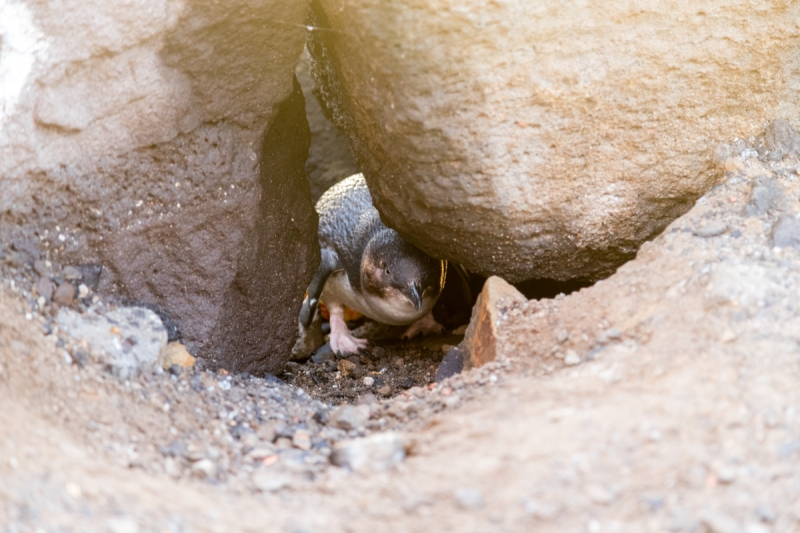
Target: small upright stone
(480, 341)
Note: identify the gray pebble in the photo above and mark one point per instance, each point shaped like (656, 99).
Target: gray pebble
(712, 229)
(786, 233)
(469, 499)
(376, 453)
(349, 417)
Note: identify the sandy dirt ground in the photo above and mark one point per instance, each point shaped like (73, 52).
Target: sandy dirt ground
(664, 398)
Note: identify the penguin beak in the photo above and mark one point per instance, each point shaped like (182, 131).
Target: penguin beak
(415, 296)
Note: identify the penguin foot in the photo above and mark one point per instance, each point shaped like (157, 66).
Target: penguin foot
(342, 341)
(424, 325)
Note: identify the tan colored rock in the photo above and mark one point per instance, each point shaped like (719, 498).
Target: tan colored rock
(176, 353)
(480, 344)
(546, 139)
(166, 141)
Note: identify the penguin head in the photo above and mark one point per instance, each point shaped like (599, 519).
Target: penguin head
(394, 269)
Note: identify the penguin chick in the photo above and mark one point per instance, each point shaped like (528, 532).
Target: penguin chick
(370, 268)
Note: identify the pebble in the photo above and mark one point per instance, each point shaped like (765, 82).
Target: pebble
(83, 291)
(72, 273)
(452, 364)
(349, 417)
(268, 480)
(787, 233)
(346, 367)
(572, 358)
(712, 229)
(204, 468)
(176, 353)
(323, 353)
(302, 439)
(469, 499)
(377, 453)
(368, 381)
(45, 288)
(65, 294)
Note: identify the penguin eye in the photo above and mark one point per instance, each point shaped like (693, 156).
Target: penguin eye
(387, 272)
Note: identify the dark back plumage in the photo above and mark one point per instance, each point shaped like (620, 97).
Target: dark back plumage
(347, 222)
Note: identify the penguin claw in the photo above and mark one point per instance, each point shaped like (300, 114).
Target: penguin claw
(424, 325)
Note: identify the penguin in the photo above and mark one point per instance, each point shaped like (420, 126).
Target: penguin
(369, 268)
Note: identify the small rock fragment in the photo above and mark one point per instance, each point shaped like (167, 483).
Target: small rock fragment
(72, 273)
(376, 453)
(268, 480)
(347, 368)
(368, 381)
(766, 196)
(323, 353)
(349, 417)
(480, 340)
(572, 358)
(469, 499)
(712, 229)
(452, 364)
(176, 353)
(781, 137)
(65, 294)
(45, 288)
(302, 439)
(786, 233)
(204, 468)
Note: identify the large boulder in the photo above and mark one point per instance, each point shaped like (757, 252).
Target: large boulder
(329, 157)
(548, 139)
(165, 140)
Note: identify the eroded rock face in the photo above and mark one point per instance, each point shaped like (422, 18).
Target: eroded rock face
(546, 140)
(133, 136)
(690, 292)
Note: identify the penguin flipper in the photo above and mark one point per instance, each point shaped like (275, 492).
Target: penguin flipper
(327, 266)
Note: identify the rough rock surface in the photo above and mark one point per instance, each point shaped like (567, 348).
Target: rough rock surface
(132, 136)
(329, 157)
(546, 140)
